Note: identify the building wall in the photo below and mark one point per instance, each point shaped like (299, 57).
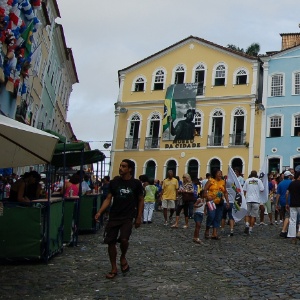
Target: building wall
(227, 98)
(285, 147)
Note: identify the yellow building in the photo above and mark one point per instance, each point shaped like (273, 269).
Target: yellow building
(225, 108)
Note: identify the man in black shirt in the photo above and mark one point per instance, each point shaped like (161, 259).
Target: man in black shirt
(128, 204)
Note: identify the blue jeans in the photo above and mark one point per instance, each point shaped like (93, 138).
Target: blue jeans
(214, 217)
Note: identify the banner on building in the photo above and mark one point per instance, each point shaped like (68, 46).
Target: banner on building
(236, 194)
(263, 176)
(179, 112)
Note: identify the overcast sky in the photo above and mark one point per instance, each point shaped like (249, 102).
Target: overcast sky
(106, 36)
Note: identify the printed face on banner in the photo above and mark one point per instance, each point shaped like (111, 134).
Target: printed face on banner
(179, 113)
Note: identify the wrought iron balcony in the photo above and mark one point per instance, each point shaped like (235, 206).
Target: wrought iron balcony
(215, 140)
(131, 143)
(200, 90)
(237, 139)
(152, 143)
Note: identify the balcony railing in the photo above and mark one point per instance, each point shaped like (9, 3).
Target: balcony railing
(152, 142)
(200, 90)
(131, 143)
(215, 140)
(237, 139)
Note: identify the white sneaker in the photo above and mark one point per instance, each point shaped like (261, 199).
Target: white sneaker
(166, 223)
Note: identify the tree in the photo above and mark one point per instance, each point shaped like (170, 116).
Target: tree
(252, 50)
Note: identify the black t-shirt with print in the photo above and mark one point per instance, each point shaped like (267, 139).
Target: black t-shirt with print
(294, 190)
(125, 198)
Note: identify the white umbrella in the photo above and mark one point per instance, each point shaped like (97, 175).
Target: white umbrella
(23, 145)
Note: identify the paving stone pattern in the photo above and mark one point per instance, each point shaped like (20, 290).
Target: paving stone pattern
(164, 264)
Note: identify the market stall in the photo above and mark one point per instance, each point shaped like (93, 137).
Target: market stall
(35, 231)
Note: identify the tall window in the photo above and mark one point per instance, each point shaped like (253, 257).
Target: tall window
(241, 77)
(132, 140)
(150, 169)
(297, 83)
(214, 164)
(179, 75)
(152, 139)
(198, 123)
(275, 126)
(200, 78)
(159, 80)
(216, 137)
(171, 165)
(297, 125)
(193, 168)
(220, 75)
(277, 85)
(139, 85)
(237, 136)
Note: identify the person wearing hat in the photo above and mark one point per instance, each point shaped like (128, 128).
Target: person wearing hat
(184, 129)
(284, 214)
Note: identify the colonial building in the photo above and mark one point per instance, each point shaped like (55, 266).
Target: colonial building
(218, 87)
(281, 118)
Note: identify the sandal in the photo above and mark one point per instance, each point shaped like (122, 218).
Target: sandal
(207, 237)
(111, 275)
(174, 226)
(197, 241)
(215, 238)
(125, 267)
(185, 226)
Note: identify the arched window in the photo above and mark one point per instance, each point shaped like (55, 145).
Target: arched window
(214, 164)
(179, 74)
(159, 80)
(139, 84)
(237, 137)
(152, 139)
(150, 169)
(132, 140)
(171, 165)
(220, 75)
(237, 163)
(198, 123)
(216, 136)
(199, 77)
(241, 77)
(193, 168)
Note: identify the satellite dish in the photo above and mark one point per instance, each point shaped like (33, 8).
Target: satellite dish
(106, 145)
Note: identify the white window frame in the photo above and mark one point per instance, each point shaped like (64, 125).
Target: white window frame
(235, 74)
(154, 77)
(135, 81)
(211, 115)
(294, 83)
(176, 69)
(196, 68)
(150, 118)
(129, 120)
(269, 124)
(293, 125)
(270, 84)
(202, 121)
(214, 73)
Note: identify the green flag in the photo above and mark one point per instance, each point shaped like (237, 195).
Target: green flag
(169, 107)
(27, 37)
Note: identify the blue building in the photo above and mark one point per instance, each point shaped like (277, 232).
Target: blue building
(281, 105)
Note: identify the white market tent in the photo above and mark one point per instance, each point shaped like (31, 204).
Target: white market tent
(22, 145)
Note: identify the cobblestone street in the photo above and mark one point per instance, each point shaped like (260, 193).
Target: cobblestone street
(165, 264)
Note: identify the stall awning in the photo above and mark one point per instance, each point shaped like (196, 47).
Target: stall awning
(74, 159)
(78, 146)
(23, 145)
(62, 139)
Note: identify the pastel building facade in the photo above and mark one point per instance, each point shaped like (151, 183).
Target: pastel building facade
(280, 137)
(227, 116)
